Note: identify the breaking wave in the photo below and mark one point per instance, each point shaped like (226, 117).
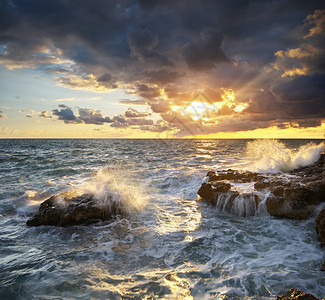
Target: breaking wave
(273, 156)
(115, 185)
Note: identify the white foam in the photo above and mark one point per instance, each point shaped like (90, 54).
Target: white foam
(112, 185)
(272, 156)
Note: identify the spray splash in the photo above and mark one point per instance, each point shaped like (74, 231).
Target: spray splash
(113, 185)
(272, 156)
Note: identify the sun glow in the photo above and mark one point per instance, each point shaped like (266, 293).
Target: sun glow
(228, 95)
(196, 110)
(207, 110)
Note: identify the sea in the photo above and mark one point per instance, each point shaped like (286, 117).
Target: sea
(170, 245)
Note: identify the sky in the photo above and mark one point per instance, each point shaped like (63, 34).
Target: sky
(162, 69)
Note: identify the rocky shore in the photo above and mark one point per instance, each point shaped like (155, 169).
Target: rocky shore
(293, 196)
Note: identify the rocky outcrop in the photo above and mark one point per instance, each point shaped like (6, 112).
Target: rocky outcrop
(320, 227)
(233, 175)
(67, 210)
(295, 294)
(291, 197)
(210, 190)
(219, 194)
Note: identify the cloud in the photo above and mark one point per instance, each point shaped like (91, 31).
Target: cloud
(70, 99)
(91, 116)
(133, 113)
(45, 114)
(2, 115)
(160, 107)
(142, 45)
(145, 91)
(66, 115)
(83, 116)
(132, 102)
(205, 52)
(270, 54)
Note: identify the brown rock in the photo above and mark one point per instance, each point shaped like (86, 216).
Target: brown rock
(208, 191)
(293, 198)
(233, 175)
(65, 210)
(283, 208)
(295, 294)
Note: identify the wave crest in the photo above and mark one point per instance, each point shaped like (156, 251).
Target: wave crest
(273, 156)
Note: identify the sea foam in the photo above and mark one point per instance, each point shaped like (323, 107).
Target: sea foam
(273, 156)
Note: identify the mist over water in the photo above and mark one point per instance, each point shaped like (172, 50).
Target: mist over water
(170, 245)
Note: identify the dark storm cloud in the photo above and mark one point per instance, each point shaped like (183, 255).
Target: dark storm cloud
(146, 92)
(84, 116)
(130, 118)
(142, 45)
(304, 88)
(165, 51)
(205, 52)
(66, 115)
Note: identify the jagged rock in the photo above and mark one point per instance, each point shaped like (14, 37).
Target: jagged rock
(233, 175)
(210, 190)
(64, 210)
(320, 226)
(284, 208)
(295, 294)
(293, 197)
(219, 194)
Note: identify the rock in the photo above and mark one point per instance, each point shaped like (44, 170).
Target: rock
(295, 294)
(323, 267)
(219, 194)
(320, 226)
(233, 175)
(67, 210)
(284, 208)
(289, 197)
(210, 190)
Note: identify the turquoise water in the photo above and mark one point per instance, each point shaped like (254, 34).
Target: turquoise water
(170, 246)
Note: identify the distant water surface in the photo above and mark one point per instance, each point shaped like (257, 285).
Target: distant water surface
(170, 246)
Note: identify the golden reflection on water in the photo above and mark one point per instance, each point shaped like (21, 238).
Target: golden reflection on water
(187, 220)
(141, 285)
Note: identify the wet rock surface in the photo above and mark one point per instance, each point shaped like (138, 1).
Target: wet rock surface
(65, 210)
(295, 294)
(293, 196)
(320, 228)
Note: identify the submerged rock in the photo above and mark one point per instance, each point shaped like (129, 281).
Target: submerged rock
(67, 210)
(320, 227)
(295, 294)
(323, 267)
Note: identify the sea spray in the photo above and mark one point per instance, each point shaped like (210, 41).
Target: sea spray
(273, 156)
(115, 185)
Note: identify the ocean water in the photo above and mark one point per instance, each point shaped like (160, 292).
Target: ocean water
(170, 246)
